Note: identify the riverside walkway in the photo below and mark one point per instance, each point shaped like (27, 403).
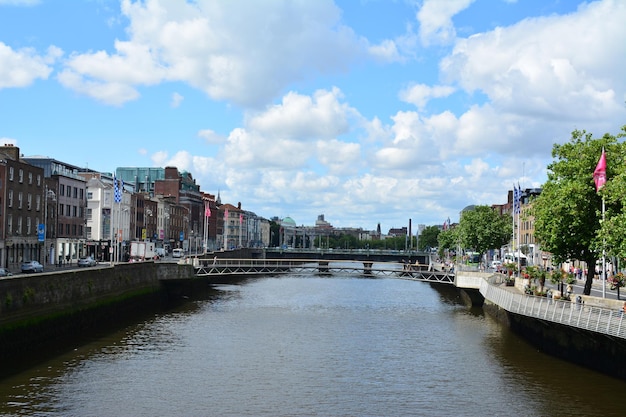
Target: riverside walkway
(589, 315)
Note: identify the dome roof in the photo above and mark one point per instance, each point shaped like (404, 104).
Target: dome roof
(288, 221)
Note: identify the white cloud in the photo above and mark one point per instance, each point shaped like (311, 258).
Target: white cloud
(221, 48)
(210, 137)
(8, 141)
(177, 99)
(20, 68)
(435, 18)
(301, 117)
(420, 94)
(557, 67)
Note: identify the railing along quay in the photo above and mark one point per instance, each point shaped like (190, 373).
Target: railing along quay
(570, 313)
(222, 266)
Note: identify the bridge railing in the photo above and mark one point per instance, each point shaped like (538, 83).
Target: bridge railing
(597, 319)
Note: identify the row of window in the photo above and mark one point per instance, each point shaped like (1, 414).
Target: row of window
(68, 210)
(20, 200)
(71, 229)
(20, 176)
(31, 226)
(70, 191)
(64, 209)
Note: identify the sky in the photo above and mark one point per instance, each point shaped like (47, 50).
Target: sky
(366, 111)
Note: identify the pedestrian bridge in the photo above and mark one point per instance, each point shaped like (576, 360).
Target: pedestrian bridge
(323, 267)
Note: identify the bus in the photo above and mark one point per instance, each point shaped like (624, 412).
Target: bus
(177, 253)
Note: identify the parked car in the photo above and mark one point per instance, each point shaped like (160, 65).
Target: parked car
(32, 266)
(5, 272)
(87, 261)
(496, 265)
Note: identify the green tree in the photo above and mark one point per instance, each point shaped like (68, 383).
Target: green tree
(568, 210)
(428, 238)
(483, 228)
(448, 240)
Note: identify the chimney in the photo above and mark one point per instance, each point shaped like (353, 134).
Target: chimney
(11, 151)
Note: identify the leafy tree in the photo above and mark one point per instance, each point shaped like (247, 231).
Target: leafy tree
(483, 228)
(428, 238)
(568, 210)
(447, 240)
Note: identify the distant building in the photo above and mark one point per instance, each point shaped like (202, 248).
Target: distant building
(398, 231)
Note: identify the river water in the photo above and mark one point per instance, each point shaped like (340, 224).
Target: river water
(313, 346)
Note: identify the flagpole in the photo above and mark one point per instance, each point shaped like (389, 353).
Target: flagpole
(599, 177)
(603, 257)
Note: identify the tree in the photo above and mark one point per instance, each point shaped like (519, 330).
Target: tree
(447, 240)
(428, 238)
(568, 210)
(483, 228)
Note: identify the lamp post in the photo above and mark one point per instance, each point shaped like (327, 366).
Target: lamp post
(48, 194)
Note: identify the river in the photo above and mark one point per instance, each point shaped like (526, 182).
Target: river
(313, 346)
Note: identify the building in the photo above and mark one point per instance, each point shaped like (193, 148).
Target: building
(22, 211)
(65, 191)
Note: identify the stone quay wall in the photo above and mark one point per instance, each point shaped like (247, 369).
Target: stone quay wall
(41, 313)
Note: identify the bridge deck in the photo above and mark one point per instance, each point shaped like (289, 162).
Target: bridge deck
(220, 267)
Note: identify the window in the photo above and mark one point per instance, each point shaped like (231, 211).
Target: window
(88, 232)
(67, 230)
(21, 175)
(30, 178)
(29, 201)
(74, 211)
(69, 191)
(38, 180)
(61, 189)
(28, 223)
(68, 209)
(19, 199)
(18, 230)
(10, 224)
(75, 192)
(89, 214)
(74, 230)
(38, 203)
(61, 209)
(89, 195)
(10, 173)
(10, 198)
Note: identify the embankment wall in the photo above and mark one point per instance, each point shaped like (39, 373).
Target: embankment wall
(41, 313)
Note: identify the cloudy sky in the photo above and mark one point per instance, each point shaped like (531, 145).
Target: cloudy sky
(367, 111)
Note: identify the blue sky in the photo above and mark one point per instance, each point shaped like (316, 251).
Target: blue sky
(370, 111)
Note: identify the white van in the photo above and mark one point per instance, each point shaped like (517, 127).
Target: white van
(177, 253)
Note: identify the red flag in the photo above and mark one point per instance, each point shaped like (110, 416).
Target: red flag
(599, 175)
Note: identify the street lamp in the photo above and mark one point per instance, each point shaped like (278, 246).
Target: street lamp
(49, 194)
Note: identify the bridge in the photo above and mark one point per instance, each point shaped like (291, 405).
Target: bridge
(324, 267)
(375, 255)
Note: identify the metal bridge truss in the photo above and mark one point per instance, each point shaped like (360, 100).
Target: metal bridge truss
(320, 267)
